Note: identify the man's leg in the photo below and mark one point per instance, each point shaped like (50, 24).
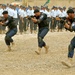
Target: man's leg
(31, 26)
(8, 38)
(35, 28)
(41, 43)
(20, 26)
(71, 47)
(0, 29)
(25, 25)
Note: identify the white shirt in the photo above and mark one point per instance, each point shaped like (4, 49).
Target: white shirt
(58, 12)
(5, 9)
(42, 11)
(65, 13)
(15, 14)
(48, 14)
(10, 12)
(25, 14)
(21, 13)
(61, 14)
(53, 13)
(30, 12)
(1, 11)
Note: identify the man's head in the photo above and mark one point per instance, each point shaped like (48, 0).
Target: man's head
(4, 6)
(64, 8)
(5, 14)
(70, 13)
(37, 12)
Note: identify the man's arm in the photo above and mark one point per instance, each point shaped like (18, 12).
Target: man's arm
(4, 23)
(73, 27)
(69, 27)
(42, 17)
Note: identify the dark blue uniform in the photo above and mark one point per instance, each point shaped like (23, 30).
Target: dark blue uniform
(12, 30)
(43, 29)
(72, 43)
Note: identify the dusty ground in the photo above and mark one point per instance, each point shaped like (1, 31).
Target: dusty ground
(22, 60)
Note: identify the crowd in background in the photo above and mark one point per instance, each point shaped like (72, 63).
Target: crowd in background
(22, 13)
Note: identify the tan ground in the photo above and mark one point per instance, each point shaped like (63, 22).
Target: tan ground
(23, 60)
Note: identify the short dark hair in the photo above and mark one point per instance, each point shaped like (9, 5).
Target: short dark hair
(36, 10)
(70, 11)
(5, 12)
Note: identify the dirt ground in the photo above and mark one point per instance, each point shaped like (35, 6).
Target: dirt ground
(22, 60)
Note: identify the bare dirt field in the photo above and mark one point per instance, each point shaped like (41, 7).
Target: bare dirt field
(22, 60)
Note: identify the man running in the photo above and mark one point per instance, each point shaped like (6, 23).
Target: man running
(12, 29)
(41, 20)
(70, 25)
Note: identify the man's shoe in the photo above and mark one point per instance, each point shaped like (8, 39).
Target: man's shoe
(67, 63)
(46, 49)
(39, 51)
(9, 48)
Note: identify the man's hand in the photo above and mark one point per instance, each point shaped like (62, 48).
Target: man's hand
(34, 20)
(67, 26)
(57, 18)
(1, 23)
(23, 22)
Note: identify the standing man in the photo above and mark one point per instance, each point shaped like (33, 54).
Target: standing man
(15, 15)
(12, 29)
(41, 19)
(21, 17)
(25, 20)
(1, 11)
(70, 25)
(30, 13)
(53, 20)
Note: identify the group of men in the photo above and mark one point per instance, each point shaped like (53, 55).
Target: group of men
(29, 17)
(21, 15)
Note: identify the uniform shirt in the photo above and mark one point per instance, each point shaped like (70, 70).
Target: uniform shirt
(61, 15)
(17, 9)
(1, 11)
(73, 24)
(10, 23)
(30, 12)
(72, 21)
(58, 12)
(53, 13)
(65, 13)
(5, 10)
(48, 14)
(42, 11)
(10, 12)
(33, 13)
(15, 14)
(42, 21)
(25, 14)
(21, 12)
